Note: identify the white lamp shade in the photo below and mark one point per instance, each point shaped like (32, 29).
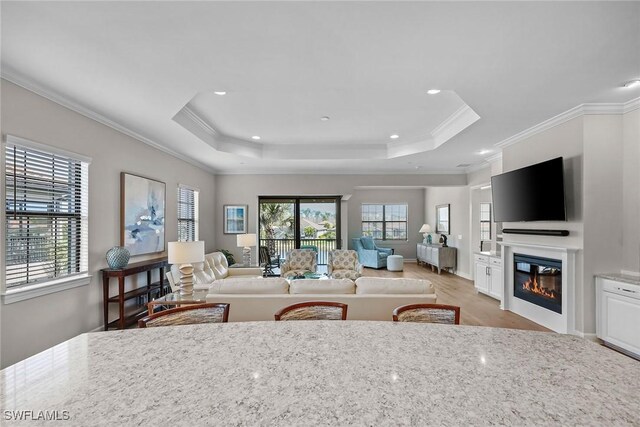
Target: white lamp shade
(247, 240)
(186, 252)
(426, 228)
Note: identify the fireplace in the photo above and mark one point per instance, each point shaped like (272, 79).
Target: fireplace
(538, 280)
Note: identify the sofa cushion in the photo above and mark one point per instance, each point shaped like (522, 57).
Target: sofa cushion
(201, 276)
(274, 285)
(367, 243)
(384, 285)
(322, 286)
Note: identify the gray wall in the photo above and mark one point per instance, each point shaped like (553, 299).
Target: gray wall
(602, 182)
(458, 198)
(33, 325)
(631, 191)
(245, 189)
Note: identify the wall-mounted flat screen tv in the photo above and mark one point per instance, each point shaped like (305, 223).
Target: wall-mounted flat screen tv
(533, 193)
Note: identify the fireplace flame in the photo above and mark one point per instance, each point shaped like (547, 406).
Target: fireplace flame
(533, 286)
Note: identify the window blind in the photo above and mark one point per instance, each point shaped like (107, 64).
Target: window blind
(46, 215)
(187, 213)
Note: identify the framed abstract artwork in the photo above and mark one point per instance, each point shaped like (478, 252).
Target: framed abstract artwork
(235, 219)
(142, 210)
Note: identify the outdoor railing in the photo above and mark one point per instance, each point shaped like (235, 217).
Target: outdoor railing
(282, 246)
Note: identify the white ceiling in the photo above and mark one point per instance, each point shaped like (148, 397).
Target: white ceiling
(366, 65)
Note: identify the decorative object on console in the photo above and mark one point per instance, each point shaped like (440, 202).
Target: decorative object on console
(118, 257)
(185, 253)
(426, 229)
(443, 240)
(246, 242)
(235, 219)
(142, 206)
(443, 219)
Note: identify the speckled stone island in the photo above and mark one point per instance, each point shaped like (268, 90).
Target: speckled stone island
(326, 373)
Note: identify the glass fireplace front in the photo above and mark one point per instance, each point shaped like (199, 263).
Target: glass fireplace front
(538, 281)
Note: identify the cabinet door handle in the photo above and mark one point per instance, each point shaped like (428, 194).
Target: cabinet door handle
(626, 290)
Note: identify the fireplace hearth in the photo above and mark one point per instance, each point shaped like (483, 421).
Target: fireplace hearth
(538, 280)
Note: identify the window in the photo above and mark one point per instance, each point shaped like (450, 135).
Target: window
(485, 221)
(46, 213)
(384, 222)
(187, 213)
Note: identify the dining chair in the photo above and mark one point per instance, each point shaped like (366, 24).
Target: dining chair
(427, 313)
(187, 315)
(313, 310)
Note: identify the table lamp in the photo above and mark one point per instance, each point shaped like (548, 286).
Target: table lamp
(185, 253)
(426, 229)
(246, 241)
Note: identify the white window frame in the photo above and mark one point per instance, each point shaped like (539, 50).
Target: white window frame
(384, 221)
(33, 290)
(196, 210)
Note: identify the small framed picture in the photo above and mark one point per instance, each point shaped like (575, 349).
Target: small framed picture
(235, 219)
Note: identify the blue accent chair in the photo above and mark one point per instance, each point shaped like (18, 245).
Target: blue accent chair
(370, 255)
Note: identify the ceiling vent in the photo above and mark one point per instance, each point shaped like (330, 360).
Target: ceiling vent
(463, 165)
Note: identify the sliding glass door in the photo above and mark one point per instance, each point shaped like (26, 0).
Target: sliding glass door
(300, 222)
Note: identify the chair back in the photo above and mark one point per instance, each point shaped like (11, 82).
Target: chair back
(263, 255)
(342, 259)
(302, 259)
(427, 313)
(187, 315)
(313, 310)
(356, 243)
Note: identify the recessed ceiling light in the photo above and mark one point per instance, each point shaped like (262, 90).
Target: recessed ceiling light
(483, 151)
(433, 91)
(394, 136)
(220, 92)
(256, 137)
(324, 118)
(418, 167)
(632, 83)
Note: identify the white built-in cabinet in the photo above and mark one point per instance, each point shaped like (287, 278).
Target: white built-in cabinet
(488, 275)
(618, 314)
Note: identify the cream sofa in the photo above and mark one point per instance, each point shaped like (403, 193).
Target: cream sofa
(214, 267)
(369, 298)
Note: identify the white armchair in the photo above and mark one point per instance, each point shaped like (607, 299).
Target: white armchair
(343, 264)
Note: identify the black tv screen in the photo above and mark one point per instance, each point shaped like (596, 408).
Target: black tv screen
(533, 193)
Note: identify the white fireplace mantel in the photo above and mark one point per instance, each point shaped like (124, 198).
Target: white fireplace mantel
(562, 323)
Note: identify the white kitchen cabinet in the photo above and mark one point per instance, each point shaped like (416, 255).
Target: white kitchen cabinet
(488, 275)
(618, 314)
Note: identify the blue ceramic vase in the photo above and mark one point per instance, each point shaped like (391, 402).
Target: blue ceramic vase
(118, 257)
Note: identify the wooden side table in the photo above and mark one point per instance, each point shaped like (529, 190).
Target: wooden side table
(138, 310)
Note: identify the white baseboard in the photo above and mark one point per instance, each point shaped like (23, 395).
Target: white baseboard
(98, 329)
(464, 275)
(412, 260)
(587, 336)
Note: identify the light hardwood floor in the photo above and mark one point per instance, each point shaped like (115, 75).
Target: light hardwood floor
(475, 308)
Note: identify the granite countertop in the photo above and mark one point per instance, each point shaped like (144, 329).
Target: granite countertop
(329, 373)
(634, 280)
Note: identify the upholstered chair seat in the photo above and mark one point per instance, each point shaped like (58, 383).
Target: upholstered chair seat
(298, 262)
(428, 313)
(343, 264)
(187, 315)
(313, 310)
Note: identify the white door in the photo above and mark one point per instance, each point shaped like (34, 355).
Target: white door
(481, 279)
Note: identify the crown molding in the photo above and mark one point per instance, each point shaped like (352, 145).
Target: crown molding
(25, 83)
(494, 158)
(575, 112)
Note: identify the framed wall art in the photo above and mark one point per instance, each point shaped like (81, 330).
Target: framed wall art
(142, 211)
(235, 219)
(442, 219)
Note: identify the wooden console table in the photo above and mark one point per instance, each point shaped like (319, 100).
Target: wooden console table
(138, 310)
